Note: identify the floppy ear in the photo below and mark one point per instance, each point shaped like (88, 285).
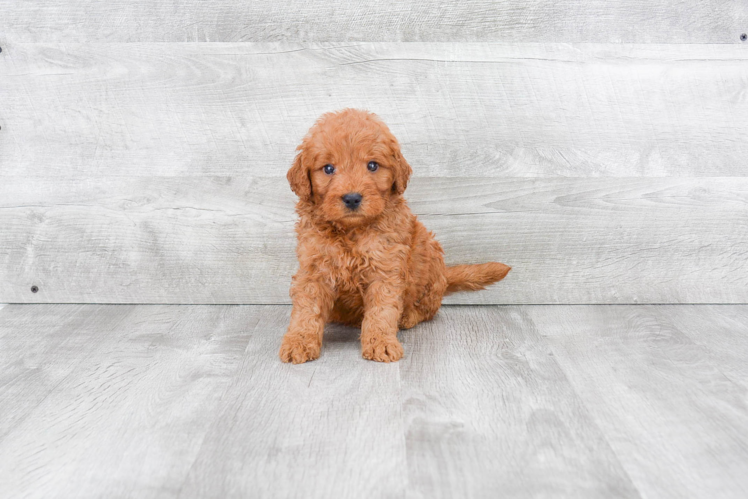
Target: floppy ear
(298, 178)
(402, 172)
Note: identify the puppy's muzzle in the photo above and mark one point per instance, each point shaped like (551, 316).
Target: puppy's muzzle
(352, 200)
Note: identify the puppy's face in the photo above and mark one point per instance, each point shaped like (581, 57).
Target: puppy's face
(349, 166)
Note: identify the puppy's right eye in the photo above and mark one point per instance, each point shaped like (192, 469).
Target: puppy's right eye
(329, 169)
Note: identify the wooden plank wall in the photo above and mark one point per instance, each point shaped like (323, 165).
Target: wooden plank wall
(627, 21)
(598, 149)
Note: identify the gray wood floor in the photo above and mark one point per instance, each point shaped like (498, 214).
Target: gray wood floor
(570, 401)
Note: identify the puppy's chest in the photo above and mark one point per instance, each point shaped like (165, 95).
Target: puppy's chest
(352, 264)
(348, 262)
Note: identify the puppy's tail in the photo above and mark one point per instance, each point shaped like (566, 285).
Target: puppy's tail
(474, 276)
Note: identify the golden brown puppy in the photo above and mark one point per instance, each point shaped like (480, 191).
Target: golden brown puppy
(364, 258)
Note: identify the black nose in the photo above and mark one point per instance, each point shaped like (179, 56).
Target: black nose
(352, 200)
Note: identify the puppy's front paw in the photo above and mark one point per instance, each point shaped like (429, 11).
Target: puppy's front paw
(299, 349)
(383, 349)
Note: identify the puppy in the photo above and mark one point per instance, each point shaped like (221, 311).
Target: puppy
(364, 258)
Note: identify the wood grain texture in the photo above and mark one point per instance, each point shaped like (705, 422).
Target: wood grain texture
(330, 428)
(531, 401)
(130, 414)
(722, 330)
(716, 21)
(231, 240)
(459, 109)
(678, 425)
(40, 347)
(489, 414)
(193, 401)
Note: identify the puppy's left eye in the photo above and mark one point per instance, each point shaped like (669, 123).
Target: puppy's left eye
(372, 166)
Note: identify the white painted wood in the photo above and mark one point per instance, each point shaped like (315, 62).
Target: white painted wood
(459, 109)
(39, 347)
(678, 425)
(131, 411)
(231, 239)
(167, 401)
(722, 330)
(329, 428)
(489, 414)
(523, 401)
(719, 21)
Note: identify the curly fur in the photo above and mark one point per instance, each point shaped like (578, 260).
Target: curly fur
(375, 267)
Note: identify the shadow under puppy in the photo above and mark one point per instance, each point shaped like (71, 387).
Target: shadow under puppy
(364, 258)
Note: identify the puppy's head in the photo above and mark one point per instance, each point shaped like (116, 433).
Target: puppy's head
(349, 166)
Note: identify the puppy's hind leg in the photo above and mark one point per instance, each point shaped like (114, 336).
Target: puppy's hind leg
(410, 318)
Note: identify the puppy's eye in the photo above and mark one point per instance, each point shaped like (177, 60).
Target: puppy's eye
(372, 166)
(329, 169)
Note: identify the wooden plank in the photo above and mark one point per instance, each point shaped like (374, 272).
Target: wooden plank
(331, 428)
(40, 347)
(167, 401)
(459, 109)
(677, 424)
(231, 240)
(185, 240)
(721, 329)
(662, 21)
(132, 415)
(490, 414)
(137, 414)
